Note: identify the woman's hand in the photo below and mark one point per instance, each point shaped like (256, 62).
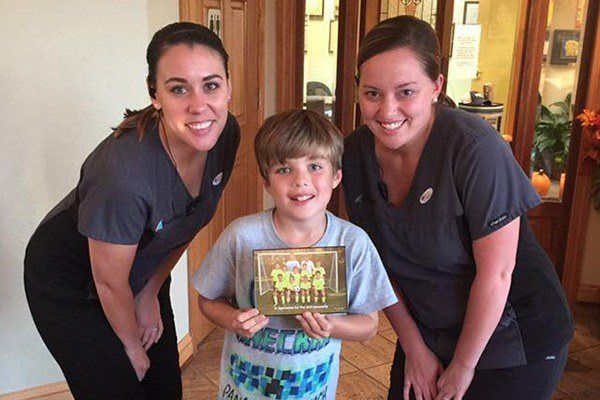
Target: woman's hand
(421, 372)
(315, 325)
(247, 322)
(139, 360)
(147, 313)
(454, 382)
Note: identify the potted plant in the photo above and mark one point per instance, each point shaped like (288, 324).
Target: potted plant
(590, 156)
(552, 137)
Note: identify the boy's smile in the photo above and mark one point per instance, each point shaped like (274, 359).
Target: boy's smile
(301, 189)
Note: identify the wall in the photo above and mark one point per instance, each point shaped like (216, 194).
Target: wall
(590, 265)
(67, 71)
(498, 20)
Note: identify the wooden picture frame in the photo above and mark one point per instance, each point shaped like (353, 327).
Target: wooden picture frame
(565, 46)
(333, 35)
(471, 13)
(315, 9)
(290, 281)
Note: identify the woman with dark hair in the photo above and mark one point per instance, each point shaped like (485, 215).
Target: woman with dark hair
(481, 314)
(97, 267)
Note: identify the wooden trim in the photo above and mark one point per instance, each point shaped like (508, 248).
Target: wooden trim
(39, 392)
(531, 64)
(589, 293)
(443, 28)
(185, 348)
(513, 92)
(261, 91)
(289, 54)
(346, 110)
(577, 193)
(370, 10)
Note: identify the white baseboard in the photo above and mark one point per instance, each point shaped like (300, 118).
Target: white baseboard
(60, 390)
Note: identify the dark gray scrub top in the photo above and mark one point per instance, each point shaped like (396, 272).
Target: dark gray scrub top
(129, 192)
(466, 186)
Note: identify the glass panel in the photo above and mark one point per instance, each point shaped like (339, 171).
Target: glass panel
(422, 9)
(558, 82)
(320, 55)
(481, 59)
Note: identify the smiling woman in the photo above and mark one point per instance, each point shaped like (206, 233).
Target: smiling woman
(97, 267)
(445, 202)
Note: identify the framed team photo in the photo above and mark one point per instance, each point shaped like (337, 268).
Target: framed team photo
(291, 281)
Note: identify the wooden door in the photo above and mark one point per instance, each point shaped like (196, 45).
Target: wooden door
(242, 34)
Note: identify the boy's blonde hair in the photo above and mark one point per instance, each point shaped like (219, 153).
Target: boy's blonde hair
(295, 134)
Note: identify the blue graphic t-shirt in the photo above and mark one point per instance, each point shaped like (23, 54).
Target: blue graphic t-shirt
(281, 361)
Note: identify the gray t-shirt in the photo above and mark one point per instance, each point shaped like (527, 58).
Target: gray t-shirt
(281, 361)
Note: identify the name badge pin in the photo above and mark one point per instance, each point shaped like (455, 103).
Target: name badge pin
(426, 196)
(217, 179)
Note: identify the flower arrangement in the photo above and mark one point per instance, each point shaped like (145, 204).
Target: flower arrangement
(590, 159)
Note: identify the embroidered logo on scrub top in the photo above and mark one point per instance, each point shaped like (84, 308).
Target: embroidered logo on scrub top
(217, 179)
(159, 226)
(498, 220)
(426, 196)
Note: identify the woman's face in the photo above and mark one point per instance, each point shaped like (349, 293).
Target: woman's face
(396, 96)
(192, 91)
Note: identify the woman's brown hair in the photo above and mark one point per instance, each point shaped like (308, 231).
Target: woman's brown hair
(409, 32)
(173, 34)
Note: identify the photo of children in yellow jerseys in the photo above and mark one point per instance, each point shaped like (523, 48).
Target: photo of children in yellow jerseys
(291, 281)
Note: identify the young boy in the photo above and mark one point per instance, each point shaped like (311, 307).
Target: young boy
(299, 155)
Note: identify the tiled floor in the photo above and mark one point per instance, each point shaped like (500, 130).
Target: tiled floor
(365, 366)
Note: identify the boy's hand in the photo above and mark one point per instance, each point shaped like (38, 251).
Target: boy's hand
(315, 325)
(247, 323)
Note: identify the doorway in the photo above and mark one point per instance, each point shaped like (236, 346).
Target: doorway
(239, 24)
(544, 65)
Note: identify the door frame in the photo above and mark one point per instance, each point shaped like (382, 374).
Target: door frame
(290, 66)
(575, 202)
(523, 98)
(200, 326)
(578, 191)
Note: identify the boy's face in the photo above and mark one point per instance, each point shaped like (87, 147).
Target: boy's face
(301, 188)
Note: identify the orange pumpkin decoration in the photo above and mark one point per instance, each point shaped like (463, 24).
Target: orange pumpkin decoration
(540, 182)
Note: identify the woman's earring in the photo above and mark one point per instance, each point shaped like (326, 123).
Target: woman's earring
(434, 100)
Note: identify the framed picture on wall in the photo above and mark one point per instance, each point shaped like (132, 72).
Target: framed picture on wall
(565, 47)
(314, 8)
(333, 35)
(471, 13)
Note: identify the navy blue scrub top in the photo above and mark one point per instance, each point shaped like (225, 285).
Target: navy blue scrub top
(467, 185)
(129, 192)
